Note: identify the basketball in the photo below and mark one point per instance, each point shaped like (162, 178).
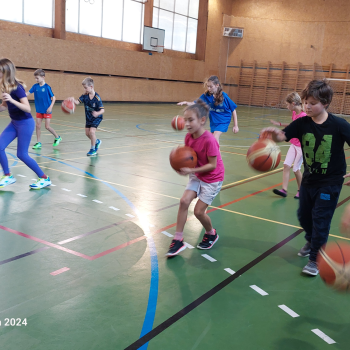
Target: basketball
(178, 123)
(183, 157)
(264, 155)
(68, 106)
(334, 265)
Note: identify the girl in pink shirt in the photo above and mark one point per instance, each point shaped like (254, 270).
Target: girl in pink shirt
(205, 180)
(294, 154)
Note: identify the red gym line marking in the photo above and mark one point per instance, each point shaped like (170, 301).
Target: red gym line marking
(57, 272)
(106, 252)
(45, 242)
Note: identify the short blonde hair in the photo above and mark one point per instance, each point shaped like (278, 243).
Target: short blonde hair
(88, 81)
(39, 72)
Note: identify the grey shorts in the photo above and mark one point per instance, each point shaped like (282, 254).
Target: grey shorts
(206, 192)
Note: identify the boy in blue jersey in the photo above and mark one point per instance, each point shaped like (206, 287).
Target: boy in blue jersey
(44, 101)
(93, 112)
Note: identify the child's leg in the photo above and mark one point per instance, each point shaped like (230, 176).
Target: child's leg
(322, 214)
(298, 176)
(93, 137)
(49, 128)
(38, 128)
(306, 203)
(202, 216)
(25, 130)
(217, 134)
(298, 161)
(285, 181)
(286, 170)
(185, 202)
(6, 137)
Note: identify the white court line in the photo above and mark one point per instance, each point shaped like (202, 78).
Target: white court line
(231, 272)
(167, 234)
(114, 208)
(81, 195)
(189, 245)
(288, 310)
(20, 175)
(208, 257)
(130, 216)
(53, 185)
(35, 179)
(97, 201)
(323, 336)
(64, 189)
(259, 290)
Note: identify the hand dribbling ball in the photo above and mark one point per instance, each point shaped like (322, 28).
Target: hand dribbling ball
(178, 123)
(183, 157)
(264, 155)
(68, 106)
(334, 265)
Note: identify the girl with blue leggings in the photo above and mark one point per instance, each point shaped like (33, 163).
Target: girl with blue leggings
(21, 126)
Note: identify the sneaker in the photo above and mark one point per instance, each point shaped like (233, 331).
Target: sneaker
(208, 241)
(282, 192)
(98, 144)
(57, 141)
(176, 247)
(311, 268)
(305, 251)
(7, 180)
(40, 183)
(37, 145)
(92, 152)
(297, 195)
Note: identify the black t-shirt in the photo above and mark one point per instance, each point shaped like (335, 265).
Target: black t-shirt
(323, 149)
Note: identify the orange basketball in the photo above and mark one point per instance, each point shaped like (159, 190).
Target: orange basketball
(68, 106)
(334, 265)
(178, 122)
(183, 157)
(264, 155)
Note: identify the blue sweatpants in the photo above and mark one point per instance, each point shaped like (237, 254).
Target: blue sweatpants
(315, 213)
(23, 130)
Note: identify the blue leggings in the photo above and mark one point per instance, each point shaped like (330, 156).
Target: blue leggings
(23, 130)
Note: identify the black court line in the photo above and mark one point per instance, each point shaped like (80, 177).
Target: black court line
(187, 309)
(23, 255)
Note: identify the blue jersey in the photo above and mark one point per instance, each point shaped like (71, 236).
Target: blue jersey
(222, 113)
(91, 105)
(42, 97)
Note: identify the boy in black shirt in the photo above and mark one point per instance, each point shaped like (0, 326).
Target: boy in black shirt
(322, 136)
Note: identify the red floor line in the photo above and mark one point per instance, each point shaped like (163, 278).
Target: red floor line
(45, 242)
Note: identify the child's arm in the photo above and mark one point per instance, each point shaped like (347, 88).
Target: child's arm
(202, 169)
(185, 103)
(28, 93)
(23, 103)
(235, 122)
(96, 114)
(3, 106)
(49, 110)
(278, 123)
(73, 100)
(277, 134)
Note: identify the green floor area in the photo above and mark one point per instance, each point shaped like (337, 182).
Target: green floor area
(108, 219)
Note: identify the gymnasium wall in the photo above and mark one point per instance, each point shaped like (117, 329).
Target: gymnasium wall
(285, 44)
(121, 71)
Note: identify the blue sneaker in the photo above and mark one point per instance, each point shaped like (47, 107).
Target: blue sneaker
(98, 144)
(92, 152)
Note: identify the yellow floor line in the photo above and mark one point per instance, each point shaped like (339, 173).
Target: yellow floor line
(348, 239)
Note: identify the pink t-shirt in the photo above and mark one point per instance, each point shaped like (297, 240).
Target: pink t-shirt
(206, 145)
(295, 116)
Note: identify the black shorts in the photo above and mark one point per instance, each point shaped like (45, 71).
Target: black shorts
(93, 123)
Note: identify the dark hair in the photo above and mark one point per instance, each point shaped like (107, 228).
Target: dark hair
(39, 72)
(218, 97)
(200, 108)
(320, 90)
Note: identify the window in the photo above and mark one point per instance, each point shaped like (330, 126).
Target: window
(179, 19)
(36, 12)
(111, 19)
